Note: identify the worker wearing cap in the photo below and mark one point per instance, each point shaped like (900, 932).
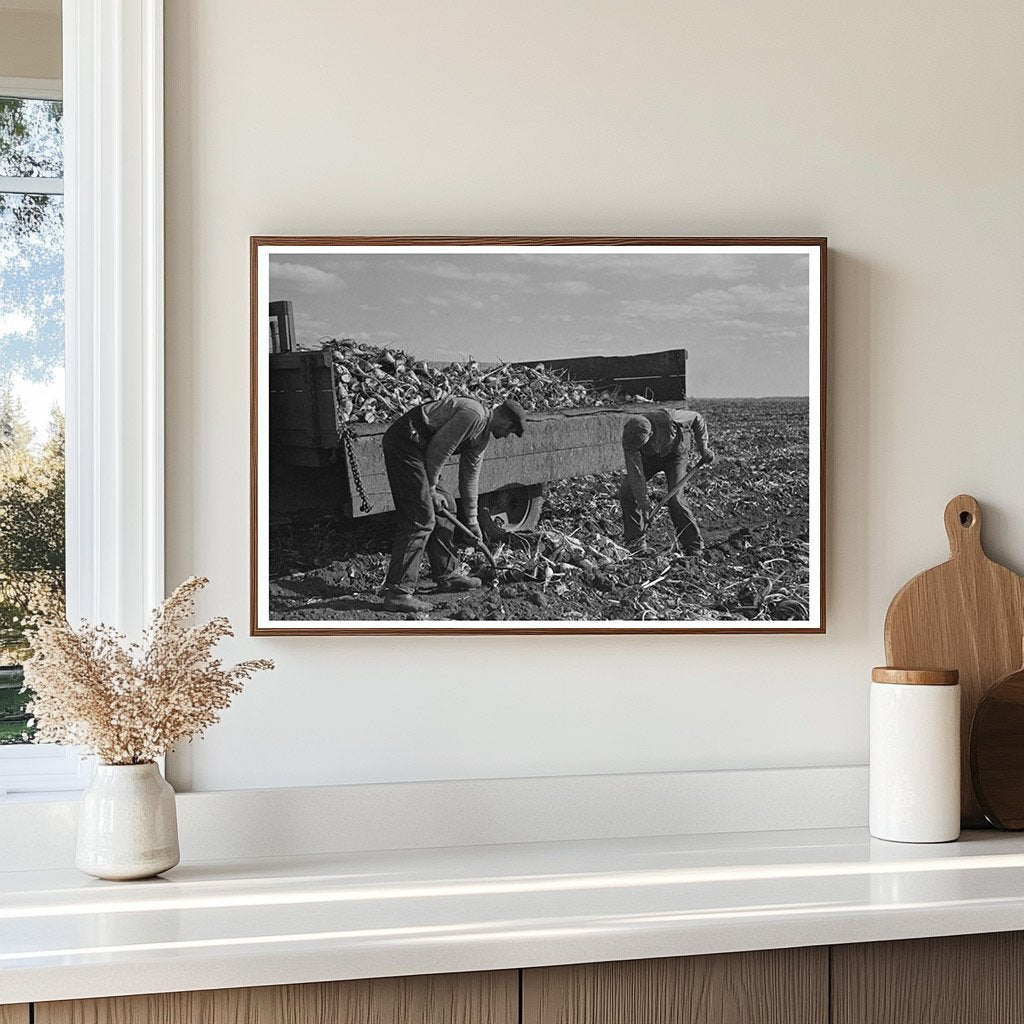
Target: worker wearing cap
(656, 442)
(416, 447)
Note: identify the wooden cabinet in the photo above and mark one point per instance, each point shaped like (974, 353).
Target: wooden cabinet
(491, 998)
(967, 979)
(962, 979)
(777, 986)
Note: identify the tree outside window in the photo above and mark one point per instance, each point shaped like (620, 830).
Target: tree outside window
(31, 386)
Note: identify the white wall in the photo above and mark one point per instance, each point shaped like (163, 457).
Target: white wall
(895, 129)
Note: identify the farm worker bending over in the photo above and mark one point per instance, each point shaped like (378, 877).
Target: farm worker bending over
(653, 443)
(416, 447)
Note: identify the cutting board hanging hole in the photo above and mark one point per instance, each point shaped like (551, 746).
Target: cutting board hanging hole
(963, 526)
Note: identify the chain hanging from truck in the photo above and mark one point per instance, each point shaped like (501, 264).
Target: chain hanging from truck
(346, 438)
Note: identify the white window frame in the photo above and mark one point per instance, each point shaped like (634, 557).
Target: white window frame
(32, 88)
(114, 334)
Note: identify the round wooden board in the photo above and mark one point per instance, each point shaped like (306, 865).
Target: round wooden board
(997, 752)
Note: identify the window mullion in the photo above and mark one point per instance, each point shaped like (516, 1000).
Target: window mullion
(32, 186)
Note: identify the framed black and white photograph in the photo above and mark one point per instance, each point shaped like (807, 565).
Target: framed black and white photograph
(537, 435)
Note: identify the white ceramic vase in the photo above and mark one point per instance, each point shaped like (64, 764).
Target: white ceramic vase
(127, 825)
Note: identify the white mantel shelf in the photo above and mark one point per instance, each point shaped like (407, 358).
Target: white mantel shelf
(226, 924)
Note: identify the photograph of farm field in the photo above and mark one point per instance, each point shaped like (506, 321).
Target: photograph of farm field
(725, 336)
(752, 505)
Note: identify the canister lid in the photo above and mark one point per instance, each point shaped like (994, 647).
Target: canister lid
(916, 676)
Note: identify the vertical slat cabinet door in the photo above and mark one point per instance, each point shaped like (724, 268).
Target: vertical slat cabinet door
(481, 998)
(778, 986)
(960, 979)
(14, 1014)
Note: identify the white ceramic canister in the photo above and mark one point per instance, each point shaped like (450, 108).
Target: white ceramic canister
(915, 755)
(127, 825)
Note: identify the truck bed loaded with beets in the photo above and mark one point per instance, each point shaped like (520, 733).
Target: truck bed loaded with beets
(330, 408)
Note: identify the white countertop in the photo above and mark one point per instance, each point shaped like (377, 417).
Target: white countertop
(227, 924)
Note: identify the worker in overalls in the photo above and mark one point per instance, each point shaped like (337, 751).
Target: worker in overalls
(657, 442)
(416, 447)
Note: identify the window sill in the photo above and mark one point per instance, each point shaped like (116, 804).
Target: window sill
(42, 797)
(42, 771)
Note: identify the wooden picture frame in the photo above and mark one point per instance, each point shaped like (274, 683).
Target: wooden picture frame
(732, 300)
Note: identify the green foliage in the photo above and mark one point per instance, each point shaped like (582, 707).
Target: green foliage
(14, 719)
(31, 138)
(31, 524)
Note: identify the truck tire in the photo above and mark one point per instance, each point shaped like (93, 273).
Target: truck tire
(512, 510)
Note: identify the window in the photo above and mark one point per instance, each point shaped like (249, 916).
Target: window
(32, 532)
(112, 207)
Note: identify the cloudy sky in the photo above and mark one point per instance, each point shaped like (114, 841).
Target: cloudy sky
(742, 317)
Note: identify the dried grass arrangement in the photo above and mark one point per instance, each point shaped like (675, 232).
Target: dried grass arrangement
(129, 703)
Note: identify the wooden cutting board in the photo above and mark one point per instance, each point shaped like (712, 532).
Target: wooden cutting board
(967, 614)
